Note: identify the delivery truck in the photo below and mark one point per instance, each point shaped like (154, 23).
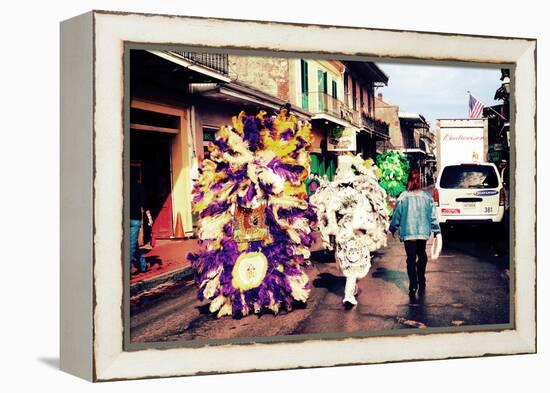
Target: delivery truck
(461, 140)
(468, 188)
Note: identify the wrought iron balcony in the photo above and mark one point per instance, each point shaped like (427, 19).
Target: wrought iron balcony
(218, 62)
(320, 102)
(374, 125)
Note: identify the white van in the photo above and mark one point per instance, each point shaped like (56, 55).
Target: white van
(469, 193)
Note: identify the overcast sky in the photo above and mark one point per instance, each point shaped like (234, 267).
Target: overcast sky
(438, 91)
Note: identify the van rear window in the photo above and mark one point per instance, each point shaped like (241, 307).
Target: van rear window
(469, 176)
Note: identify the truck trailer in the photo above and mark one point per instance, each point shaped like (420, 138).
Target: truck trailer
(461, 140)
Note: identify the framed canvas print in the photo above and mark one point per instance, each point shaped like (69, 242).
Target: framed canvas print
(246, 195)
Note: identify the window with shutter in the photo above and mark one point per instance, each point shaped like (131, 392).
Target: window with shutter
(305, 84)
(322, 88)
(346, 89)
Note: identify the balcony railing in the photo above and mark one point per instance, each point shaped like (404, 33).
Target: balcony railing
(354, 117)
(374, 125)
(416, 139)
(218, 62)
(319, 102)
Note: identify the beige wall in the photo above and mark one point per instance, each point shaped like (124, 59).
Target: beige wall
(215, 115)
(182, 155)
(270, 75)
(390, 114)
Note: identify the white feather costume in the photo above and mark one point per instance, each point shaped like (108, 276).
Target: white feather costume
(353, 208)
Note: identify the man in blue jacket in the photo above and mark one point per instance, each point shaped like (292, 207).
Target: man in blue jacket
(415, 215)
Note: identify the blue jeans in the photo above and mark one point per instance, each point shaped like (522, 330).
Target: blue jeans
(135, 225)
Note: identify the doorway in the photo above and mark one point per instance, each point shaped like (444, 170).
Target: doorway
(150, 159)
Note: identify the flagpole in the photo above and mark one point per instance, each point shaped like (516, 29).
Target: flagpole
(502, 117)
(491, 108)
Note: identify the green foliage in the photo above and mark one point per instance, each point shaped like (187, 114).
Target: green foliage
(336, 132)
(394, 172)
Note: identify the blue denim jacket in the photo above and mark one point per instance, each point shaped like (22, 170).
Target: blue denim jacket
(415, 215)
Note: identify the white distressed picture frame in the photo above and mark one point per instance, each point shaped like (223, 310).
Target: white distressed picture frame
(92, 164)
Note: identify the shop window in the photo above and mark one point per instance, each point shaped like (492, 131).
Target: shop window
(208, 135)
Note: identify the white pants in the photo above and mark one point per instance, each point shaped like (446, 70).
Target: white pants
(350, 289)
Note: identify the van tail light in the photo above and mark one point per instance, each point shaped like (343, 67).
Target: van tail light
(501, 197)
(436, 197)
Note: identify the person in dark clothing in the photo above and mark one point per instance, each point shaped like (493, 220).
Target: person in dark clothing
(415, 216)
(138, 204)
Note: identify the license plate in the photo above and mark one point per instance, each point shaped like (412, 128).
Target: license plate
(469, 205)
(450, 211)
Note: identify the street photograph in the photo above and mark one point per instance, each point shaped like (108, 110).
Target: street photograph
(286, 198)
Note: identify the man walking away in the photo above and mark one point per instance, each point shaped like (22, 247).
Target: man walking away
(415, 216)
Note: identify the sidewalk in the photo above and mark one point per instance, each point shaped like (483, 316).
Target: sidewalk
(166, 261)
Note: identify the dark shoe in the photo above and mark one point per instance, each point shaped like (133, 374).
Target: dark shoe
(350, 300)
(348, 306)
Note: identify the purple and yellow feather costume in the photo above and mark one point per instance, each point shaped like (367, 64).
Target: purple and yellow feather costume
(254, 219)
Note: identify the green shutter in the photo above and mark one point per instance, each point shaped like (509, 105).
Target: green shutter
(322, 88)
(334, 89)
(346, 89)
(305, 84)
(317, 164)
(331, 167)
(314, 167)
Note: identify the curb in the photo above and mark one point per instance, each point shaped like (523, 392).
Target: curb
(153, 282)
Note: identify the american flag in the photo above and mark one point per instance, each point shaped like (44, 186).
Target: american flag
(476, 107)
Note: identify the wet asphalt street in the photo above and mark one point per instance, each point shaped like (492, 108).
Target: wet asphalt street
(467, 286)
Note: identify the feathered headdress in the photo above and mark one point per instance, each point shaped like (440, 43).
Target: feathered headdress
(254, 219)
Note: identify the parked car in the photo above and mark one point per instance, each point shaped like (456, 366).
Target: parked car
(469, 193)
